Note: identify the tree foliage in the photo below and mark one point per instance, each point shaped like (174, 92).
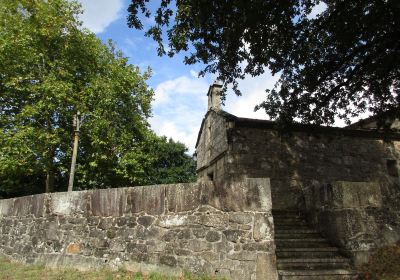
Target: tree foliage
(50, 69)
(343, 62)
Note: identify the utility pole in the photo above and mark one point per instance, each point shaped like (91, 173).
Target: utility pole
(76, 124)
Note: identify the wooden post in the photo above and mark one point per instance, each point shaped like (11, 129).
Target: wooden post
(77, 124)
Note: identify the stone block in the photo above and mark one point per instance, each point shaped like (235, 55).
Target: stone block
(68, 203)
(343, 226)
(52, 231)
(168, 260)
(6, 207)
(182, 197)
(147, 199)
(266, 267)
(197, 245)
(38, 204)
(145, 221)
(356, 194)
(109, 202)
(172, 221)
(74, 248)
(22, 206)
(240, 218)
(242, 256)
(252, 194)
(234, 235)
(263, 227)
(265, 246)
(214, 220)
(213, 236)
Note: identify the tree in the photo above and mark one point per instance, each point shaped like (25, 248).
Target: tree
(341, 63)
(50, 69)
(163, 162)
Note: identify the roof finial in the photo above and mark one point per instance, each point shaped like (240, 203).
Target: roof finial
(214, 95)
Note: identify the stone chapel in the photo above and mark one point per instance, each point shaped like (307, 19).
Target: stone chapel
(342, 183)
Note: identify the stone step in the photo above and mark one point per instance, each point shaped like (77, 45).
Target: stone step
(279, 224)
(296, 235)
(324, 249)
(302, 243)
(294, 216)
(284, 231)
(308, 254)
(288, 220)
(286, 212)
(291, 227)
(313, 263)
(332, 274)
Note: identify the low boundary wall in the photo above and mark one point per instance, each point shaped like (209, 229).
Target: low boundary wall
(223, 229)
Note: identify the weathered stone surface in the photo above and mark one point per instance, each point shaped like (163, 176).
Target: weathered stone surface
(214, 220)
(145, 221)
(183, 197)
(234, 235)
(38, 205)
(74, 248)
(266, 267)
(168, 260)
(6, 207)
(242, 256)
(213, 236)
(253, 194)
(68, 203)
(240, 218)
(263, 227)
(173, 221)
(110, 202)
(356, 194)
(148, 199)
(22, 206)
(197, 245)
(266, 246)
(140, 225)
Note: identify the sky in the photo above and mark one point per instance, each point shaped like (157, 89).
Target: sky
(180, 100)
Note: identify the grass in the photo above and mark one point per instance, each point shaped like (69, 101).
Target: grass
(16, 271)
(384, 264)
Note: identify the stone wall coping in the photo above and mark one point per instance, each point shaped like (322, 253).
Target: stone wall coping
(252, 194)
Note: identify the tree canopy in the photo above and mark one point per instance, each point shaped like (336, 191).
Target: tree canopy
(343, 62)
(50, 69)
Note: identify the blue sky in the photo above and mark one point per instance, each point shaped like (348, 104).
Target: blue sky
(180, 100)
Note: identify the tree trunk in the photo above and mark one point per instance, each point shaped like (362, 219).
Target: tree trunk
(50, 181)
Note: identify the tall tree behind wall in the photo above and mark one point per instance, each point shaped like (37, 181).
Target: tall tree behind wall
(51, 68)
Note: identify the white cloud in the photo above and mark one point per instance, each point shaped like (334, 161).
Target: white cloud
(317, 10)
(179, 107)
(169, 90)
(253, 93)
(98, 14)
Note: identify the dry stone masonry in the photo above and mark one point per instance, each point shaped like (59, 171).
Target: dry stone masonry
(223, 229)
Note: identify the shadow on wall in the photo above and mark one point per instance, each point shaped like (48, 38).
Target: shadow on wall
(348, 187)
(347, 184)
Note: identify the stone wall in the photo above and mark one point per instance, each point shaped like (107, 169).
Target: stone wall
(353, 216)
(223, 229)
(211, 147)
(347, 184)
(297, 161)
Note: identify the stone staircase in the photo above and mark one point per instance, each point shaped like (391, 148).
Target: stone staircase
(302, 253)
